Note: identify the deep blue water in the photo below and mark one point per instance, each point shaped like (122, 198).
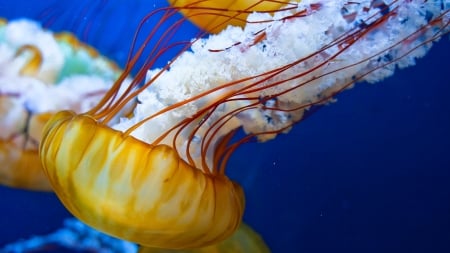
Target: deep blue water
(370, 173)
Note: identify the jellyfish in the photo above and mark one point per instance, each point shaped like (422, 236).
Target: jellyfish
(27, 173)
(214, 16)
(157, 177)
(39, 75)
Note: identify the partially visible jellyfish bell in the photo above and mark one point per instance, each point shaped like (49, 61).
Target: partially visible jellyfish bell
(41, 73)
(158, 177)
(244, 240)
(214, 15)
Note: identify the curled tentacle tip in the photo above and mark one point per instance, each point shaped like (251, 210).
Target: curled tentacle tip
(32, 67)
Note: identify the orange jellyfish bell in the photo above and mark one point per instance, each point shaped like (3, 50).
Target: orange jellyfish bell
(214, 15)
(40, 73)
(158, 176)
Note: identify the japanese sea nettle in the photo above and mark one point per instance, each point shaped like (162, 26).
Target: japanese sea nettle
(158, 176)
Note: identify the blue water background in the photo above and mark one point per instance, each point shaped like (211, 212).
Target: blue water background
(370, 173)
